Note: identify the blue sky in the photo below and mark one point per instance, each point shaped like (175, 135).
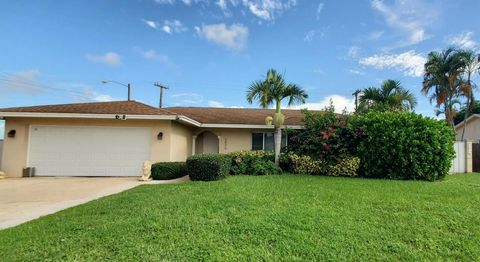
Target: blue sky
(208, 52)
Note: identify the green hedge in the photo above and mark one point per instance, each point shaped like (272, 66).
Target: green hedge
(168, 170)
(404, 146)
(293, 163)
(208, 167)
(257, 163)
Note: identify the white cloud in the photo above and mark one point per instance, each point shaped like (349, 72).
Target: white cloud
(152, 55)
(174, 26)
(319, 10)
(110, 58)
(222, 4)
(409, 16)
(410, 63)
(150, 23)
(212, 103)
(233, 37)
(375, 35)
(340, 103)
(316, 33)
(183, 99)
(356, 72)
(25, 81)
(463, 40)
(268, 9)
(353, 51)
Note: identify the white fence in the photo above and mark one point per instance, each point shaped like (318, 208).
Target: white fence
(462, 163)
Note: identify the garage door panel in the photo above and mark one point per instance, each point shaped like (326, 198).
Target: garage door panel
(88, 151)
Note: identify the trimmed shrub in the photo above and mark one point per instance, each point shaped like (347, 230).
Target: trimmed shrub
(405, 146)
(253, 163)
(168, 170)
(208, 167)
(346, 167)
(296, 164)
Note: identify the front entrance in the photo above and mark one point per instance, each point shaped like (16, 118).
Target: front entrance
(206, 142)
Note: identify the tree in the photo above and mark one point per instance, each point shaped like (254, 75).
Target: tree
(474, 109)
(391, 96)
(271, 91)
(471, 66)
(442, 75)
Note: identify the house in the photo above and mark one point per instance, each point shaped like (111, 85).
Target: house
(115, 138)
(472, 131)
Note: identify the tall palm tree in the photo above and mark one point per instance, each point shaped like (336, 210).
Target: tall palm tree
(271, 91)
(442, 73)
(471, 66)
(391, 96)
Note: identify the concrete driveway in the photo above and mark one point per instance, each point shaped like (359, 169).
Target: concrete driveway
(24, 199)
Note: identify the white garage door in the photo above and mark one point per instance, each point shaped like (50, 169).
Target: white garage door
(88, 151)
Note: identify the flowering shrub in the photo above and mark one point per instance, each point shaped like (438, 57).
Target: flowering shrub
(327, 136)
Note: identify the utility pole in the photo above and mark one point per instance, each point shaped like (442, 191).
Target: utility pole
(161, 93)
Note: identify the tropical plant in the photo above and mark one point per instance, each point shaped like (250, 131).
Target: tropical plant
(474, 109)
(271, 91)
(443, 71)
(471, 66)
(391, 96)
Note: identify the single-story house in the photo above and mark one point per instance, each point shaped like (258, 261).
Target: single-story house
(472, 131)
(115, 138)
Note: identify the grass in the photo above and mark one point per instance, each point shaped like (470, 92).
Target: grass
(263, 218)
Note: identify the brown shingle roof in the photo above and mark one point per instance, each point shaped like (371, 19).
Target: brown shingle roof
(204, 115)
(116, 107)
(247, 116)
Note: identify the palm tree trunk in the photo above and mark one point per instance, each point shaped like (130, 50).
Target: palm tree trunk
(467, 109)
(278, 144)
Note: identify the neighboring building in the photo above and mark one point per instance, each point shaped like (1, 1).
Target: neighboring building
(472, 131)
(115, 138)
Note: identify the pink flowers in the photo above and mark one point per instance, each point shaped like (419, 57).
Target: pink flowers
(324, 135)
(326, 146)
(343, 123)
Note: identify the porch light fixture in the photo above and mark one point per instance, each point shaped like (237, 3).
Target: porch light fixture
(11, 133)
(160, 136)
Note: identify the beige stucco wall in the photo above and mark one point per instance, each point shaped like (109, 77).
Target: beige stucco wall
(181, 142)
(15, 149)
(232, 139)
(472, 133)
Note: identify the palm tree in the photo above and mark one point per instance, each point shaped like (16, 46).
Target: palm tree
(471, 66)
(272, 90)
(442, 73)
(391, 96)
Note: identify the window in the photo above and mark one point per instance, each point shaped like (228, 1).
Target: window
(266, 141)
(257, 141)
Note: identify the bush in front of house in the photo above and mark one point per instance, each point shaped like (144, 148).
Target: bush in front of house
(346, 167)
(327, 136)
(257, 162)
(401, 145)
(208, 167)
(296, 164)
(168, 170)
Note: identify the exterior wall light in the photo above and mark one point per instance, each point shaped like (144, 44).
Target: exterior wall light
(11, 133)
(160, 136)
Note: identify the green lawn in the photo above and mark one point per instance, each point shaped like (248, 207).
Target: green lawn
(284, 217)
